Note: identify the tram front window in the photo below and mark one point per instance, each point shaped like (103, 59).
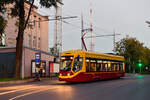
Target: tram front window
(66, 63)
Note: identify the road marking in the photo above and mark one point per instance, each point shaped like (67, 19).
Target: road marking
(30, 93)
(28, 87)
(15, 90)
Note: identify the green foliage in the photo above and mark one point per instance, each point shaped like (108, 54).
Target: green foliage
(133, 51)
(3, 23)
(14, 11)
(54, 51)
(3, 3)
(49, 3)
(51, 50)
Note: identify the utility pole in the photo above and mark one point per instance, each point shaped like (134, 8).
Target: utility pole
(87, 30)
(114, 39)
(114, 42)
(58, 30)
(91, 26)
(58, 33)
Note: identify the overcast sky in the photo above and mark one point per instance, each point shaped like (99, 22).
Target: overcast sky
(127, 17)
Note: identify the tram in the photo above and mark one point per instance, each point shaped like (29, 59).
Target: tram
(80, 66)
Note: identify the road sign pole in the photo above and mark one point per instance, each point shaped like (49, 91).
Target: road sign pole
(38, 63)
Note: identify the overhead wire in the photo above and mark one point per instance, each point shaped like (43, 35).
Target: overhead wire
(79, 27)
(71, 24)
(76, 26)
(87, 24)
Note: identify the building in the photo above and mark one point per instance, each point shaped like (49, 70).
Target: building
(35, 41)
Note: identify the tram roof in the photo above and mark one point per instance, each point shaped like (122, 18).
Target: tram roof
(92, 55)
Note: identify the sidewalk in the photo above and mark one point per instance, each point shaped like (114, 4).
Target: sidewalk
(26, 81)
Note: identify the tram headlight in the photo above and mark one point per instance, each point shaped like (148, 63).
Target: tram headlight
(68, 74)
(60, 74)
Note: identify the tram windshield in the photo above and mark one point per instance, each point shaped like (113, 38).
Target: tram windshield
(66, 63)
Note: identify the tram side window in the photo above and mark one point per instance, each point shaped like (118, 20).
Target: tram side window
(93, 66)
(106, 67)
(87, 65)
(77, 64)
(109, 66)
(116, 66)
(120, 67)
(113, 66)
(103, 67)
(99, 65)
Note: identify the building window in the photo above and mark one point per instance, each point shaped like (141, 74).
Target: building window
(34, 22)
(39, 42)
(34, 41)
(29, 40)
(39, 22)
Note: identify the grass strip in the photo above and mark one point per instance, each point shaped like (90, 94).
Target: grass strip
(10, 79)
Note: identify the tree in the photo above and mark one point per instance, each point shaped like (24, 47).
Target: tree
(132, 50)
(51, 50)
(146, 57)
(19, 11)
(2, 28)
(2, 20)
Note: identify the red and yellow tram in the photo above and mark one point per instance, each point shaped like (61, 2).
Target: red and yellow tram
(80, 66)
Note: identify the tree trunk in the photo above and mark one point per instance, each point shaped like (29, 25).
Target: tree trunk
(21, 28)
(0, 39)
(19, 45)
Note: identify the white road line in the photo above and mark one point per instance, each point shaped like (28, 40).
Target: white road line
(16, 90)
(29, 93)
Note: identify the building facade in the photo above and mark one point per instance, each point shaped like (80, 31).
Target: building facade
(35, 40)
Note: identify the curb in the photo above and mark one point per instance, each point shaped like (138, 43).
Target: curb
(16, 82)
(25, 81)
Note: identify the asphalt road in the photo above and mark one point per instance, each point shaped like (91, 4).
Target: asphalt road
(131, 87)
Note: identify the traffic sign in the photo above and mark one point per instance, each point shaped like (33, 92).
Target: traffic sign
(37, 58)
